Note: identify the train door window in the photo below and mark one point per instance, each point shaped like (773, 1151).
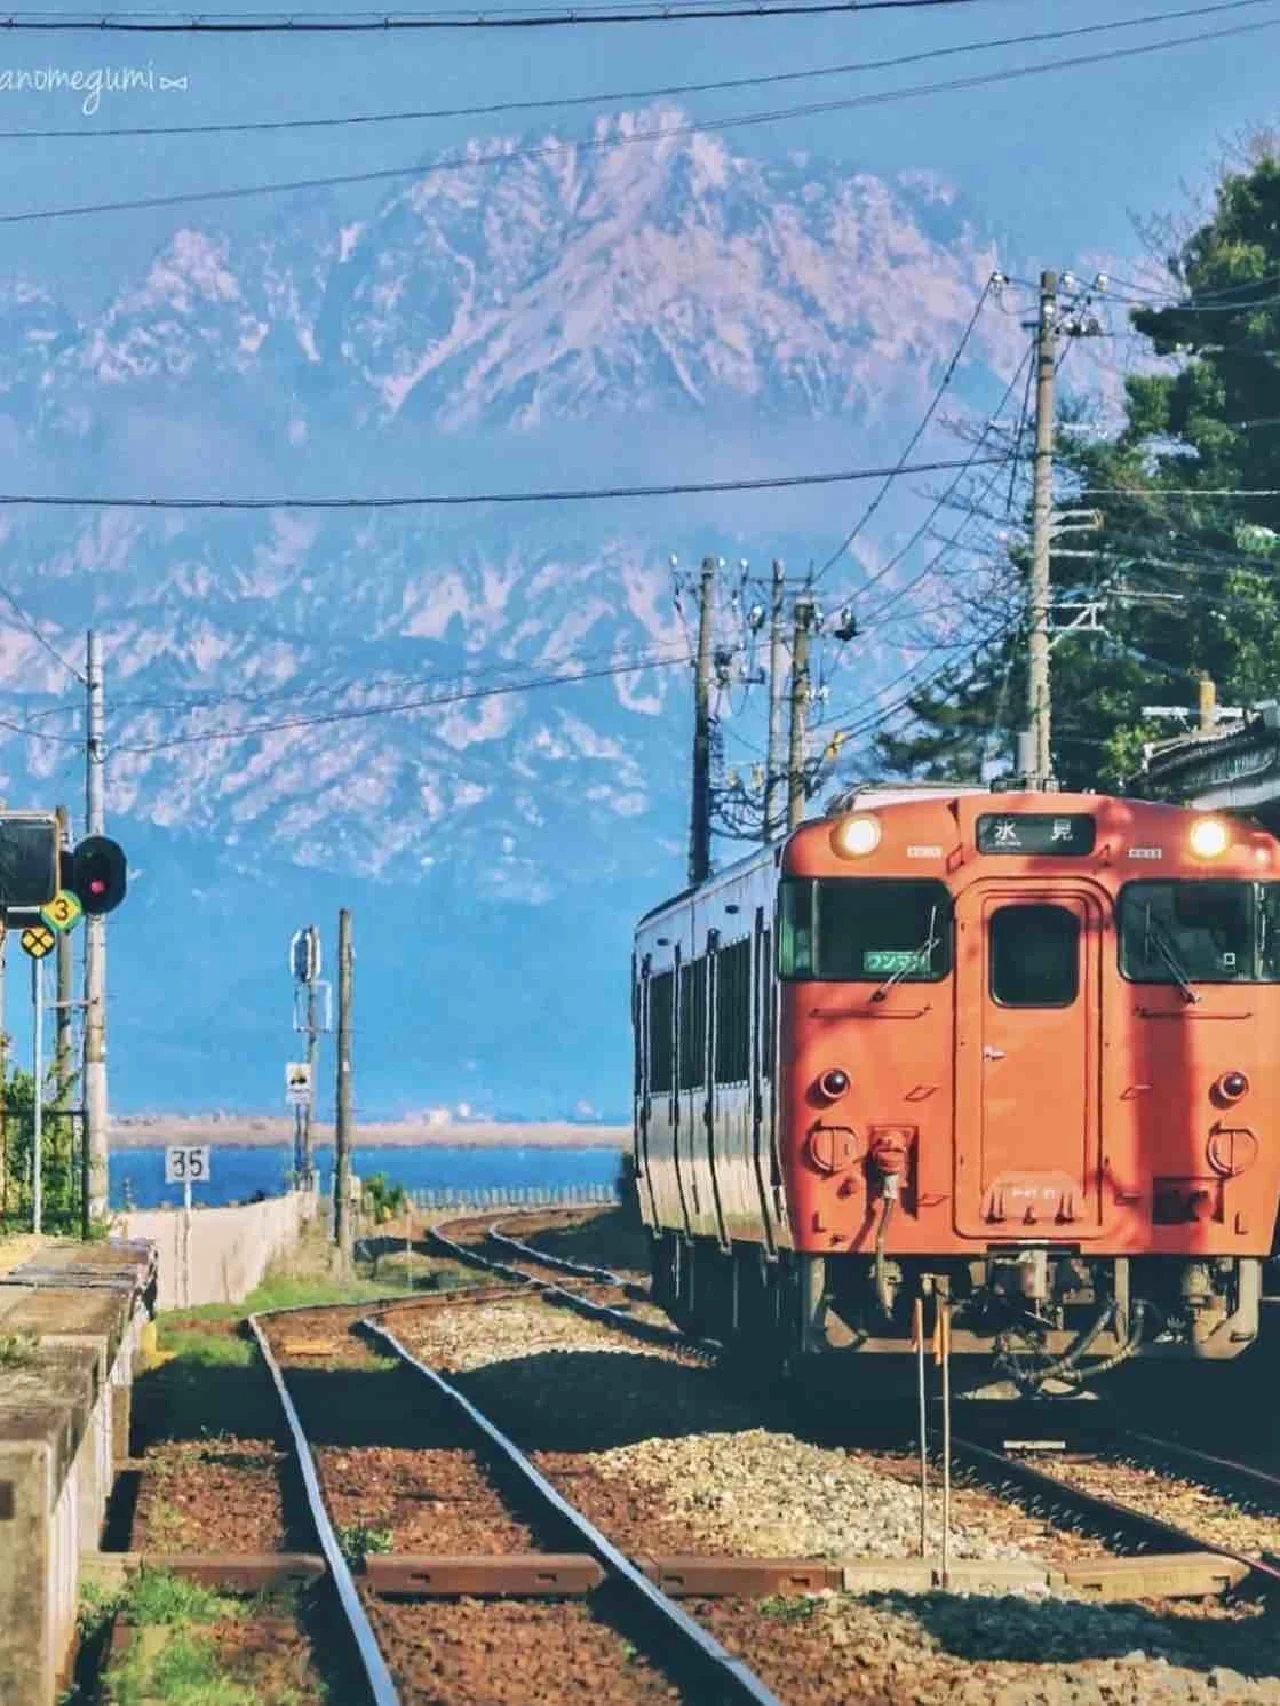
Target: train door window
(733, 1013)
(662, 990)
(693, 1025)
(1034, 956)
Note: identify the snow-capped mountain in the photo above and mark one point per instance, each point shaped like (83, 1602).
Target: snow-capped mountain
(625, 309)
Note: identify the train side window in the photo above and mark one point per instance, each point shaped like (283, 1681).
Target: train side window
(733, 1013)
(766, 1004)
(662, 991)
(693, 1025)
(1034, 956)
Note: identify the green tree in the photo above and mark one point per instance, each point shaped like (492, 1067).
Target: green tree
(1187, 573)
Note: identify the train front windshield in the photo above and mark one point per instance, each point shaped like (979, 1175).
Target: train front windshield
(864, 930)
(1199, 931)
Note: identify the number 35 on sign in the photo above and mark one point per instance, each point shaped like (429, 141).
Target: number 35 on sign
(186, 1164)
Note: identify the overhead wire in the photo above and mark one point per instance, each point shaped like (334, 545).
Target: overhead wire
(637, 137)
(357, 713)
(475, 18)
(947, 376)
(426, 500)
(28, 622)
(492, 109)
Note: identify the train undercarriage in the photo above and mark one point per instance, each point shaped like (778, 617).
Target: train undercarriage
(1048, 1318)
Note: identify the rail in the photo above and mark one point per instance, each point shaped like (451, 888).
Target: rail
(1119, 1520)
(733, 1679)
(381, 1687)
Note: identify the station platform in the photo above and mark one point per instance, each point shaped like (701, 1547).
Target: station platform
(71, 1319)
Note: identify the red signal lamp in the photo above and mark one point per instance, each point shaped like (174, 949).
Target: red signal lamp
(99, 874)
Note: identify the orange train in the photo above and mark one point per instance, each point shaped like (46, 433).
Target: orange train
(1017, 1051)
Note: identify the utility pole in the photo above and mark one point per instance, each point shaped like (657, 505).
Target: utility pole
(1038, 701)
(777, 644)
(802, 626)
(342, 1121)
(305, 1162)
(63, 1003)
(95, 948)
(700, 817)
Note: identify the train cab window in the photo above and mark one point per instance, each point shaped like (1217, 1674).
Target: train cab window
(1034, 956)
(865, 930)
(1199, 931)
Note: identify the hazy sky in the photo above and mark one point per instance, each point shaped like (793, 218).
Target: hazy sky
(1055, 164)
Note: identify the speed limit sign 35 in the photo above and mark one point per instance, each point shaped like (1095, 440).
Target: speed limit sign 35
(186, 1164)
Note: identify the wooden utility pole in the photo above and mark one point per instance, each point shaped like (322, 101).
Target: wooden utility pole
(342, 1101)
(1038, 700)
(700, 812)
(313, 1049)
(777, 652)
(802, 627)
(95, 948)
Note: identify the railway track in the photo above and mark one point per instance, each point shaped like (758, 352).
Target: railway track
(594, 1605)
(1155, 1555)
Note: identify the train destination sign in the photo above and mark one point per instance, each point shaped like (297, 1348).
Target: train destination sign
(1070, 833)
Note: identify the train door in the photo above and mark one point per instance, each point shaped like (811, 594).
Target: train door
(1028, 1142)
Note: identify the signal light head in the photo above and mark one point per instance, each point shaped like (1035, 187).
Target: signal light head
(99, 874)
(1209, 838)
(855, 837)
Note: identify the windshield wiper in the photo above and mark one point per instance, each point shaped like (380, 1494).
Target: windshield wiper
(925, 951)
(1169, 954)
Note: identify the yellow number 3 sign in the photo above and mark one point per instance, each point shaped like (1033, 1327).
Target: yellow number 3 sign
(63, 911)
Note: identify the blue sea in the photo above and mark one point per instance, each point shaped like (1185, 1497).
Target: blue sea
(239, 1171)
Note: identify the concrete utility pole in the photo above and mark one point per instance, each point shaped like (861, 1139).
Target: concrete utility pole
(1038, 702)
(777, 648)
(802, 627)
(63, 1003)
(700, 814)
(95, 946)
(342, 1121)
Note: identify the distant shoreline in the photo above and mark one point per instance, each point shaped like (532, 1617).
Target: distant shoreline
(267, 1132)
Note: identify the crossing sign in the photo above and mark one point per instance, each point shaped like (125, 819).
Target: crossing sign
(63, 911)
(297, 1084)
(38, 940)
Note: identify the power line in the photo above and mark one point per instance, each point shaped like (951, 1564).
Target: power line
(499, 157)
(1180, 492)
(498, 17)
(721, 85)
(431, 702)
(28, 622)
(973, 460)
(916, 436)
(583, 494)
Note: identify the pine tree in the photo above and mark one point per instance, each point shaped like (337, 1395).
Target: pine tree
(1187, 574)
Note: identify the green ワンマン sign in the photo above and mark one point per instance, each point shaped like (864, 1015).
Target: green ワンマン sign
(884, 962)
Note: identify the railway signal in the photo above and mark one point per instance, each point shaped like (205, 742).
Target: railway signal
(28, 860)
(99, 874)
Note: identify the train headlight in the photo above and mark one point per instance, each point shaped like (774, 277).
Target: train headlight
(1232, 1086)
(833, 1084)
(1209, 838)
(855, 837)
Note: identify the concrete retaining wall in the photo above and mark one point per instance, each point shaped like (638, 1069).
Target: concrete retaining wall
(77, 1315)
(230, 1248)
